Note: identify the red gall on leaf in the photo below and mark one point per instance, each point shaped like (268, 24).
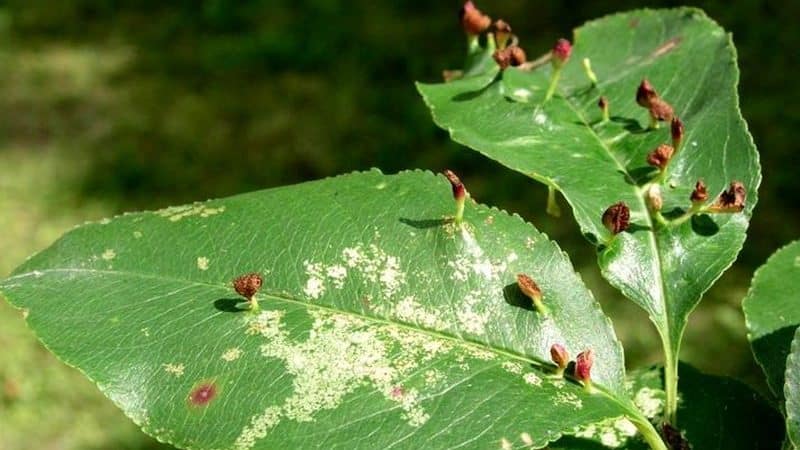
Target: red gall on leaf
(561, 52)
(660, 156)
(247, 286)
(603, 105)
(459, 194)
(645, 94)
(617, 218)
(731, 200)
(700, 193)
(532, 291)
(509, 56)
(502, 31)
(583, 367)
(559, 356)
(677, 131)
(455, 183)
(660, 110)
(473, 20)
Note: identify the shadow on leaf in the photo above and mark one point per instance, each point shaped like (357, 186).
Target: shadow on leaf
(425, 223)
(703, 225)
(515, 297)
(467, 96)
(631, 125)
(229, 305)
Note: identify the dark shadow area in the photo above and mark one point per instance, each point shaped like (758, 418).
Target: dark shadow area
(640, 175)
(704, 225)
(631, 125)
(425, 223)
(636, 227)
(773, 350)
(673, 213)
(230, 305)
(575, 443)
(467, 96)
(515, 297)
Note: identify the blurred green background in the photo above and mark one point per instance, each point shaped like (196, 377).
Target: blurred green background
(110, 106)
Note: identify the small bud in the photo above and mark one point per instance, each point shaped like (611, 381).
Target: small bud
(560, 357)
(509, 56)
(502, 31)
(532, 291)
(645, 94)
(473, 20)
(247, 286)
(459, 194)
(561, 52)
(583, 367)
(677, 131)
(654, 199)
(558, 57)
(617, 218)
(587, 68)
(730, 201)
(660, 156)
(603, 105)
(699, 194)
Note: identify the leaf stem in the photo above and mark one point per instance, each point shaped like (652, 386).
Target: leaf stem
(649, 433)
(553, 83)
(670, 382)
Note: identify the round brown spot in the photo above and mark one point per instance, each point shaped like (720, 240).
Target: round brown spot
(202, 394)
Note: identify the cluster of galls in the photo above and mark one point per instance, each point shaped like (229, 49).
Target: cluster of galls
(617, 217)
(476, 22)
(582, 370)
(508, 53)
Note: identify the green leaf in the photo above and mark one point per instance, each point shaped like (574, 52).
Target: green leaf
(382, 324)
(772, 312)
(563, 143)
(716, 413)
(791, 391)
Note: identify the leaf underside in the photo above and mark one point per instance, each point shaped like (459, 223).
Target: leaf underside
(563, 143)
(382, 324)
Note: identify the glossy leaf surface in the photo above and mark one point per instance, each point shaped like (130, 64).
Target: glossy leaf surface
(563, 143)
(382, 324)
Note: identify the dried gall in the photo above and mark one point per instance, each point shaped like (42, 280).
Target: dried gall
(617, 218)
(700, 193)
(731, 200)
(677, 131)
(661, 156)
(532, 291)
(248, 286)
(473, 20)
(502, 31)
(560, 357)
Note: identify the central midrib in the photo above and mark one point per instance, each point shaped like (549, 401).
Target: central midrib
(653, 243)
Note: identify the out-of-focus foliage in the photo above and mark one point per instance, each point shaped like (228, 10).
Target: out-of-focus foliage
(108, 106)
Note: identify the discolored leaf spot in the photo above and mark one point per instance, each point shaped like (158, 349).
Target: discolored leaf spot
(203, 393)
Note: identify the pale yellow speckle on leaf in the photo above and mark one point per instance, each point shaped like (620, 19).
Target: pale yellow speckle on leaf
(174, 369)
